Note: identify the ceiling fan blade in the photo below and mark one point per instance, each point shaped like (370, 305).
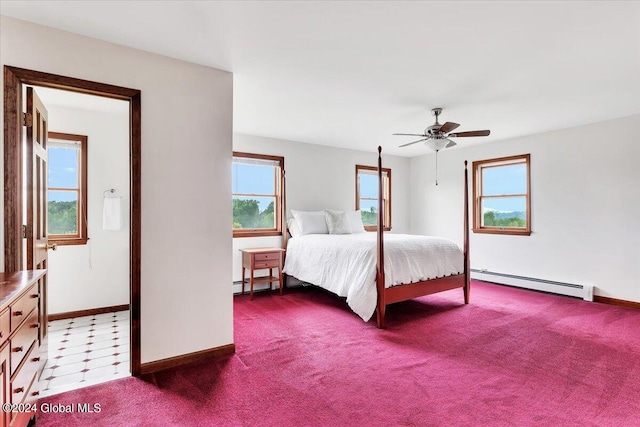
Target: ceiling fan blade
(410, 134)
(470, 133)
(450, 144)
(448, 127)
(411, 143)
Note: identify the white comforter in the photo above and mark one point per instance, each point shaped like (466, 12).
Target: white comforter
(346, 264)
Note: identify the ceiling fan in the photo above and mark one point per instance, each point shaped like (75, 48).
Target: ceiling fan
(437, 135)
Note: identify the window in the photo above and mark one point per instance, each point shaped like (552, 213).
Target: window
(501, 194)
(67, 189)
(257, 195)
(367, 196)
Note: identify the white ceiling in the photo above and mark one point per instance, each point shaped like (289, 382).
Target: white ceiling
(349, 74)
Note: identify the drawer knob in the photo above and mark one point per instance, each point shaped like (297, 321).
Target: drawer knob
(36, 359)
(35, 325)
(17, 349)
(17, 313)
(35, 393)
(19, 390)
(35, 295)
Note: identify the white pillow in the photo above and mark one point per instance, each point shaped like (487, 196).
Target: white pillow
(311, 222)
(355, 220)
(337, 223)
(292, 225)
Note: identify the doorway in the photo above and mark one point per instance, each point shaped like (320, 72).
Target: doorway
(87, 229)
(15, 121)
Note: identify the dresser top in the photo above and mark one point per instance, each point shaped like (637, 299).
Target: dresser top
(12, 284)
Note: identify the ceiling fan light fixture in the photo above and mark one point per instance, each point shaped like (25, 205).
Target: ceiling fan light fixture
(437, 144)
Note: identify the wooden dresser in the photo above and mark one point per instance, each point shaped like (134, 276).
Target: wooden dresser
(23, 349)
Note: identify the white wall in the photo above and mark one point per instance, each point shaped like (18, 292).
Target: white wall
(320, 177)
(187, 305)
(96, 274)
(585, 206)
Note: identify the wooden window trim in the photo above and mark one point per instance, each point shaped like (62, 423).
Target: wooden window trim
(477, 195)
(81, 238)
(387, 216)
(277, 231)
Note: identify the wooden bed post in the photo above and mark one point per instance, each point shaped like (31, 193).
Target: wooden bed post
(467, 264)
(283, 219)
(283, 224)
(380, 280)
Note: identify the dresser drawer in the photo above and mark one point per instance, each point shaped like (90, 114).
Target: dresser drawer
(269, 256)
(23, 339)
(23, 306)
(5, 325)
(266, 264)
(25, 383)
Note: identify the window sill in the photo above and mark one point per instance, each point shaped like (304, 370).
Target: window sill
(256, 233)
(508, 231)
(68, 242)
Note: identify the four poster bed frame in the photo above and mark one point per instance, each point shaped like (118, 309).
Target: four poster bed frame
(407, 291)
(413, 290)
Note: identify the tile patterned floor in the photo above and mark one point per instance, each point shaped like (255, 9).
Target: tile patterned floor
(85, 351)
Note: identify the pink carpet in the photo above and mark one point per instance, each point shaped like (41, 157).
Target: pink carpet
(510, 358)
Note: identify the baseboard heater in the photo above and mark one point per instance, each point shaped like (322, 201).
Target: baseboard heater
(581, 291)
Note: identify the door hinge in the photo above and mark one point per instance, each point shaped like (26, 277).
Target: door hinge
(24, 231)
(27, 120)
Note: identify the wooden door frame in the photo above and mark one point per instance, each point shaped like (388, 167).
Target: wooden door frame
(14, 79)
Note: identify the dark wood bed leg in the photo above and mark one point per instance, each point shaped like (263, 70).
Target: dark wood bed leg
(380, 319)
(466, 292)
(467, 264)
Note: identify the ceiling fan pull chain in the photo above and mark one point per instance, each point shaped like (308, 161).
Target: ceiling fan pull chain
(437, 167)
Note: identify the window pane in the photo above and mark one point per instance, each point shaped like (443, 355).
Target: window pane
(369, 212)
(253, 179)
(253, 212)
(368, 185)
(63, 212)
(502, 180)
(63, 167)
(504, 212)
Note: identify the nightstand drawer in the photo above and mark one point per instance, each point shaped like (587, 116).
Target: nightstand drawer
(267, 256)
(266, 264)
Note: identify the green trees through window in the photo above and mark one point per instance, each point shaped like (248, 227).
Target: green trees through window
(63, 217)
(511, 219)
(247, 214)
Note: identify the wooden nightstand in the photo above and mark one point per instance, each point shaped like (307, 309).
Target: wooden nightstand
(262, 258)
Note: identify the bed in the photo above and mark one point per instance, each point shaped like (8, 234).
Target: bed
(373, 270)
